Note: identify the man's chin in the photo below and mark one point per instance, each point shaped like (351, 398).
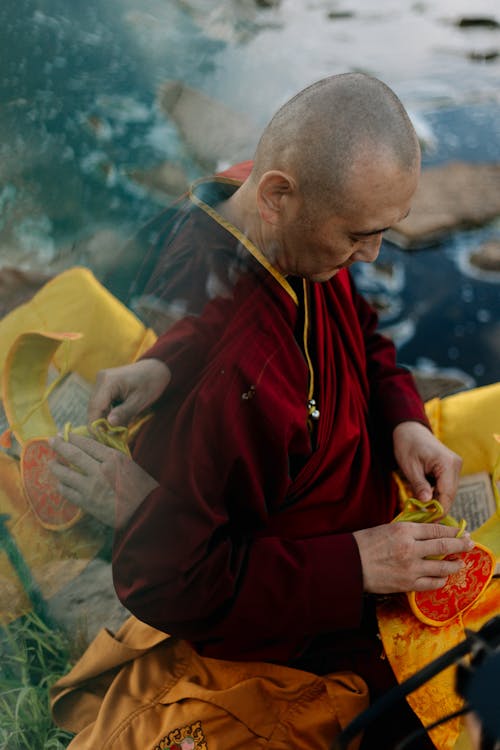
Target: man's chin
(319, 277)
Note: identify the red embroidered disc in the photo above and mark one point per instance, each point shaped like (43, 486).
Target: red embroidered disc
(460, 590)
(52, 510)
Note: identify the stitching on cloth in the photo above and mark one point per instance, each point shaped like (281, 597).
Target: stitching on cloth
(191, 736)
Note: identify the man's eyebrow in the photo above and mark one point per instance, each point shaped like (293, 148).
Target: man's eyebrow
(378, 231)
(369, 234)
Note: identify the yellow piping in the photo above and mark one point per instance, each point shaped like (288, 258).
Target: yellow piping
(260, 257)
(306, 345)
(252, 249)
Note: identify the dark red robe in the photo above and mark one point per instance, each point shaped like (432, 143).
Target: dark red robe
(246, 548)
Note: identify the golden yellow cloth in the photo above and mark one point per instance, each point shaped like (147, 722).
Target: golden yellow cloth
(74, 323)
(142, 689)
(76, 301)
(466, 422)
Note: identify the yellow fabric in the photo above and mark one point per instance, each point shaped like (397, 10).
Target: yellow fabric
(54, 559)
(469, 424)
(428, 512)
(24, 383)
(77, 324)
(75, 301)
(466, 422)
(410, 644)
(140, 689)
(103, 432)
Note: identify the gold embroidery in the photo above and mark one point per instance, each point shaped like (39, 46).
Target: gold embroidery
(190, 737)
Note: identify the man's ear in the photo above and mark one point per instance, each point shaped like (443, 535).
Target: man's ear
(274, 191)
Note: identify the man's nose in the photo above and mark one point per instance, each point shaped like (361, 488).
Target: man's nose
(369, 249)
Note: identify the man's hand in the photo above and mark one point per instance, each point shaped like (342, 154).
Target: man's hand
(394, 557)
(102, 481)
(421, 456)
(131, 387)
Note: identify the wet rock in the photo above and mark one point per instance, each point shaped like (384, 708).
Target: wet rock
(457, 195)
(18, 286)
(228, 20)
(168, 178)
(438, 384)
(101, 250)
(401, 332)
(339, 15)
(101, 129)
(212, 132)
(487, 257)
(88, 604)
(474, 22)
(267, 3)
(486, 56)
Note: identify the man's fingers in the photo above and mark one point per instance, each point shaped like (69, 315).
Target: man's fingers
(99, 403)
(91, 447)
(447, 485)
(66, 476)
(107, 388)
(121, 415)
(438, 540)
(442, 547)
(429, 584)
(421, 487)
(423, 531)
(70, 494)
(441, 568)
(75, 455)
(434, 573)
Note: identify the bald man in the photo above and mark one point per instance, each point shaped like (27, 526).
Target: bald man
(255, 518)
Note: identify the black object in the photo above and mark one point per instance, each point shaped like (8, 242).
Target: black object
(476, 683)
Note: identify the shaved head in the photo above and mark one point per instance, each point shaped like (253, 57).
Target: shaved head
(330, 129)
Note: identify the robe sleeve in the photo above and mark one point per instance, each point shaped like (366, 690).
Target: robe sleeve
(195, 560)
(184, 347)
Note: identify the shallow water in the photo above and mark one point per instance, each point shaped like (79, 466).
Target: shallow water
(78, 115)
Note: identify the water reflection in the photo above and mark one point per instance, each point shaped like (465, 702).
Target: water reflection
(88, 153)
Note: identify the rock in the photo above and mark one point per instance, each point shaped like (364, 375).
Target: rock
(18, 286)
(487, 257)
(339, 15)
(88, 604)
(101, 250)
(227, 20)
(167, 178)
(457, 195)
(486, 56)
(213, 132)
(438, 384)
(474, 22)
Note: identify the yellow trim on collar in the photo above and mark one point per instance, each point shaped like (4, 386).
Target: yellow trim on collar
(306, 335)
(252, 249)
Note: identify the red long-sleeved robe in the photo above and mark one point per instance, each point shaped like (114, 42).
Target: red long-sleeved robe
(246, 548)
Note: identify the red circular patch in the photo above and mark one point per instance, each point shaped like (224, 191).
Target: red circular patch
(49, 506)
(460, 590)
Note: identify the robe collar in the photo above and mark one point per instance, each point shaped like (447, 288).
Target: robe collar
(248, 244)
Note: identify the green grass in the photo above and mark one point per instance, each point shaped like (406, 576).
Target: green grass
(33, 655)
